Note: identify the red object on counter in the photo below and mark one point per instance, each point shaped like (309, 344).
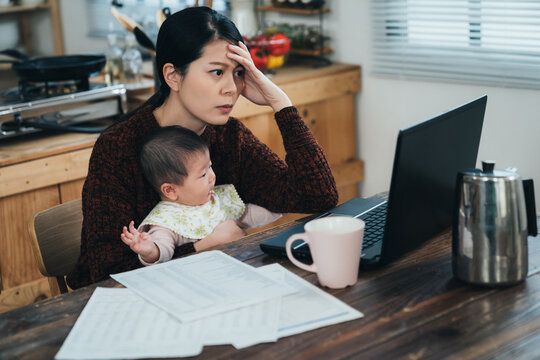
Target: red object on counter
(260, 59)
(278, 44)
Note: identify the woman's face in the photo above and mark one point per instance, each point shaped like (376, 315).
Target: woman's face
(210, 87)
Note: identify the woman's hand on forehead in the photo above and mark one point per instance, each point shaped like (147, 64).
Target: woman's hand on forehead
(258, 88)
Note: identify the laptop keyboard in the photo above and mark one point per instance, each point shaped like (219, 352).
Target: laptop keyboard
(375, 221)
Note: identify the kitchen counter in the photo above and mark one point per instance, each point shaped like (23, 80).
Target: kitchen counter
(40, 170)
(35, 146)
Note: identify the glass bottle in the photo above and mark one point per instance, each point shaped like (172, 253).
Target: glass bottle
(114, 69)
(132, 60)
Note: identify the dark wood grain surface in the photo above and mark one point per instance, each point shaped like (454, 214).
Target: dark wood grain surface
(414, 309)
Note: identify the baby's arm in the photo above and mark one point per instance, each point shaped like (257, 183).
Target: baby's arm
(140, 243)
(226, 232)
(256, 216)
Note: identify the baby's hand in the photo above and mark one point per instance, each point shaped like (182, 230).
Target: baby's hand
(140, 243)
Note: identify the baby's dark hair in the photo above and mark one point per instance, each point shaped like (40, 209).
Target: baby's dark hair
(166, 152)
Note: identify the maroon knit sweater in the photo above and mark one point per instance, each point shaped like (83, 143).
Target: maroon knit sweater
(115, 191)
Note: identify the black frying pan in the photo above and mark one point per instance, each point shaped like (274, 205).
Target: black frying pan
(54, 68)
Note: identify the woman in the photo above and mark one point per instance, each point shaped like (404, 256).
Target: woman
(204, 68)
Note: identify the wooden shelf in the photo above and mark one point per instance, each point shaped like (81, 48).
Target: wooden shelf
(326, 50)
(23, 8)
(293, 10)
(25, 23)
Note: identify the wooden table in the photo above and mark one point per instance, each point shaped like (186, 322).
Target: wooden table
(414, 309)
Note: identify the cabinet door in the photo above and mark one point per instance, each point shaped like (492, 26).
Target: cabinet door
(17, 262)
(332, 123)
(22, 283)
(71, 190)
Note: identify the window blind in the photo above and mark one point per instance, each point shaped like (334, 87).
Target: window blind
(491, 42)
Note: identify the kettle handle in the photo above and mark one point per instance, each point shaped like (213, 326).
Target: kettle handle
(528, 189)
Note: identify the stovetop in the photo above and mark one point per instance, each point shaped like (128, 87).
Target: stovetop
(11, 103)
(60, 112)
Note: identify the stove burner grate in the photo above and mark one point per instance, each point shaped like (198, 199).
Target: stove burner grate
(29, 90)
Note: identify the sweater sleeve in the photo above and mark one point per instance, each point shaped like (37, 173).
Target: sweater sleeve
(302, 183)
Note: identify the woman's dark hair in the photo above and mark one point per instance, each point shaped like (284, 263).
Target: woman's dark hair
(182, 37)
(166, 152)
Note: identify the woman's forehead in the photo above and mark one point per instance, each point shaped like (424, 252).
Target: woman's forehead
(216, 52)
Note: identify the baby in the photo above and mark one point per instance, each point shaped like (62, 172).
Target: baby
(176, 162)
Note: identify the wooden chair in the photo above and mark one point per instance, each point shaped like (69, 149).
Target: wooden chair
(55, 234)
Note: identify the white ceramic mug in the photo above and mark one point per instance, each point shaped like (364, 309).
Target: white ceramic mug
(335, 243)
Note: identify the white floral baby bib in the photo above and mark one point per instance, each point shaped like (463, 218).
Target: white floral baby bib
(197, 222)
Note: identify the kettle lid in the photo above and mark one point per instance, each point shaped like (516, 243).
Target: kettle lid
(488, 170)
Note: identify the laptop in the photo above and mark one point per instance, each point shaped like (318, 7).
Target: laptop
(420, 201)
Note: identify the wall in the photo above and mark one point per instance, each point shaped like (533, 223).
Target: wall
(512, 121)
(75, 27)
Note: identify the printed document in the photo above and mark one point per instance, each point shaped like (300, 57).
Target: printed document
(119, 324)
(243, 327)
(201, 285)
(310, 307)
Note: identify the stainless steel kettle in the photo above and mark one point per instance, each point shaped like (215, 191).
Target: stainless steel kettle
(494, 212)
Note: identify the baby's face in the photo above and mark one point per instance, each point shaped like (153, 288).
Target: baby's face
(198, 184)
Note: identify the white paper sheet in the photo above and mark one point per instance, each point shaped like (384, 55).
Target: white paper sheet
(245, 326)
(201, 285)
(310, 307)
(119, 324)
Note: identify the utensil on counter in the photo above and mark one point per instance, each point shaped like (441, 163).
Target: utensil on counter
(494, 214)
(53, 68)
(162, 15)
(132, 26)
(144, 40)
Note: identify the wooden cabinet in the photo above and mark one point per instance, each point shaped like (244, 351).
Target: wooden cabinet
(35, 174)
(45, 170)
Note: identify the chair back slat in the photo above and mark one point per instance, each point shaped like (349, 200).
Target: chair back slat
(57, 238)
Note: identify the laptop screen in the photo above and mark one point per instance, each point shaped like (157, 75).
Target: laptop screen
(427, 159)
